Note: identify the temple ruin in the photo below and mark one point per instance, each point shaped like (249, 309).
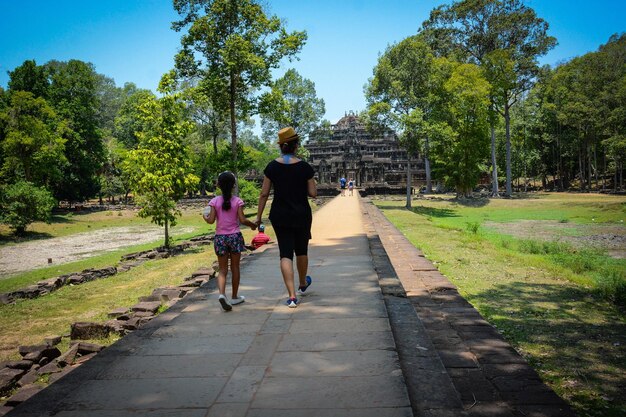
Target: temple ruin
(376, 162)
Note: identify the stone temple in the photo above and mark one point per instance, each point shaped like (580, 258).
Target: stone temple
(376, 163)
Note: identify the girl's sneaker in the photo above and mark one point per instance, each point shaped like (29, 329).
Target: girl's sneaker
(226, 306)
(292, 302)
(302, 288)
(238, 300)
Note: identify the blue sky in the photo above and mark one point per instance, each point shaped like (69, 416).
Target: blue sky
(131, 40)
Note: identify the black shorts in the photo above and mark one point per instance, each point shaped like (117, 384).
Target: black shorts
(292, 239)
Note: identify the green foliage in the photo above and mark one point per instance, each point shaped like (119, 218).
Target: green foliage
(249, 192)
(223, 160)
(231, 47)
(611, 284)
(472, 227)
(159, 169)
(127, 123)
(33, 141)
(292, 101)
(23, 203)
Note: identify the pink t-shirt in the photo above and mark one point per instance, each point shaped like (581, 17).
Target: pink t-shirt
(227, 220)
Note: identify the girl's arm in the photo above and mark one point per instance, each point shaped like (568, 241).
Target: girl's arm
(244, 220)
(212, 216)
(265, 193)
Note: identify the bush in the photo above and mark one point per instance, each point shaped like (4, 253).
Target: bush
(472, 227)
(611, 284)
(23, 203)
(249, 192)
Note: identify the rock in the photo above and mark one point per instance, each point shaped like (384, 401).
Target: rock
(51, 353)
(8, 377)
(85, 348)
(6, 298)
(149, 298)
(168, 294)
(51, 368)
(88, 330)
(132, 324)
(143, 314)
(85, 358)
(23, 364)
(29, 378)
(53, 340)
(23, 350)
(68, 357)
(117, 312)
(75, 279)
(116, 326)
(23, 394)
(5, 409)
(202, 271)
(151, 306)
(34, 356)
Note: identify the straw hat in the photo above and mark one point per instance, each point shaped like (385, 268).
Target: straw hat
(287, 135)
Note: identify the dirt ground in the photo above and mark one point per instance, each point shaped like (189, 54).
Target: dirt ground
(611, 238)
(33, 255)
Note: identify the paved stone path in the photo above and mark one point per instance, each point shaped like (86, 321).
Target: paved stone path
(355, 347)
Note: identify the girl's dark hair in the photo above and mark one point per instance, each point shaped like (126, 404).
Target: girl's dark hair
(226, 182)
(289, 147)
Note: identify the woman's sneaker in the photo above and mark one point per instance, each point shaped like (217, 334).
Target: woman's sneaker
(302, 288)
(292, 302)
(226, 306)
(238, 300)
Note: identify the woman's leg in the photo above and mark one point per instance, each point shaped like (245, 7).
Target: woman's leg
(302, 263)
(235, 272)
(286, 268)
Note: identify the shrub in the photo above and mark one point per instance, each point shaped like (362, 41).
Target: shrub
(249, 192)
(472, 227)
(611, 284)
(23, 203)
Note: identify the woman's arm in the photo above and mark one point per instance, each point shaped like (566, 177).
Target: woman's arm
(265, 193)
(244, 220)
(311, 188)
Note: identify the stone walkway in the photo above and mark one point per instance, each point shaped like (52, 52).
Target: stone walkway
(355, 347)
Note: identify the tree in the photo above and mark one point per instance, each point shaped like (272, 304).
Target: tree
(293, 102)
(403, 95)
(73, 94)
(231, 47)
(506, 37)
(32, 141)
(128, 122)
(30, 77)
(461, 147)
(22, 203)
(160, 171)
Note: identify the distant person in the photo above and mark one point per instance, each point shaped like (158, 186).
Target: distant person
(261, 238)
(292, 179)
(351, 185)
(342, 185)
(228, 242)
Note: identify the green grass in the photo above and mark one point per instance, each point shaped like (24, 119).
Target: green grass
(545, 297)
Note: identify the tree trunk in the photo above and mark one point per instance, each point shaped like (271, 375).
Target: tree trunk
(507, 124)
(167, 235)
(494, 165)
(233, 117)
(581, 169)
(429, 184)
(408, 180)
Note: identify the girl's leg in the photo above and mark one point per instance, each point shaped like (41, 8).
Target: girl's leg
(235, 272)
(286, 268)
(221, 276)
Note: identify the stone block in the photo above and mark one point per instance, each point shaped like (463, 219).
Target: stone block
(8, 378)
(23, 350)
(85, 348)
(51, 368)
(117, 312)
(68, 357)
(85, 358)
(151, 306)
(23, 394)
(53, 340)
(28, 378)
(202, 271)
(23, 364)
(88, 330)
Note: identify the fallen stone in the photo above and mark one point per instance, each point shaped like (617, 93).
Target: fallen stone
(116, 327)
(29, 378)
(68, 357)
(85, 348)
(149, 298)
(23, 394)
(143, 314)
(8, 377)
(53, 340)
(167, 294)
(23, 350)
(85, 358)
(51, 368)
(5, 409)
(34, 356)
(151, 306)
(202, 271)
(23, 364)
(88, 330)
(117, 312)
(75, 279)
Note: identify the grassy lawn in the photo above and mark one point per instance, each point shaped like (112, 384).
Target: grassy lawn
(546, 298)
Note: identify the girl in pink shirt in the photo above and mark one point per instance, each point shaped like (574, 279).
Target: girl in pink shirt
(228, 243)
